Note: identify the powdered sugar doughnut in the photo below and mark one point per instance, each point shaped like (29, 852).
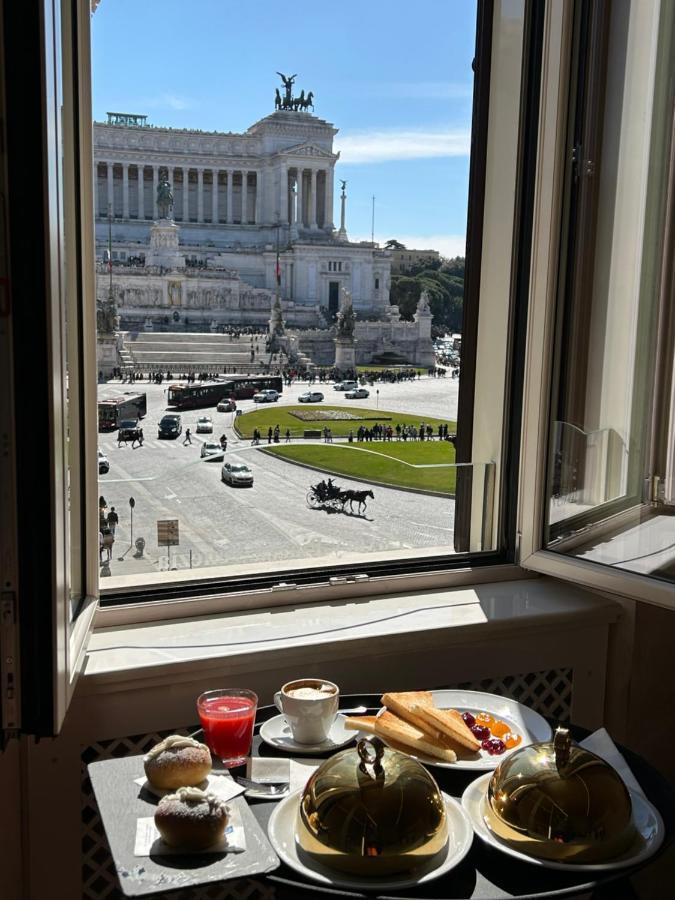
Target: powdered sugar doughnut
(191, 819)
(177, 762)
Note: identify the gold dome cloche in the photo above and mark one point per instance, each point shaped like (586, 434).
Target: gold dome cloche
(373, 811)
(555, 800)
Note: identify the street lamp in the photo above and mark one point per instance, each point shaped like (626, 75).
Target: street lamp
(377, 398)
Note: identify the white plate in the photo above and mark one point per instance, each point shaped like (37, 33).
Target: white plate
(281, 832)
(277, 733)
(521, 719)
(646, 817)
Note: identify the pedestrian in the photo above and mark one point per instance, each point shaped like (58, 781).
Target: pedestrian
(187, 439)
(112, 520)
(100, 546)
(269, 435)
(140, 437)
(108, 541)
(288, 435)
(351, 436)
(398, 432)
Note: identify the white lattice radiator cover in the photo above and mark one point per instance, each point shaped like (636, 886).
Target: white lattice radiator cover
(549, 693)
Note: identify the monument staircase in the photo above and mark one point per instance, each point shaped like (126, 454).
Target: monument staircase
(191, 352)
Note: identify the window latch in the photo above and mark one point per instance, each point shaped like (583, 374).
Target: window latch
(348, 579)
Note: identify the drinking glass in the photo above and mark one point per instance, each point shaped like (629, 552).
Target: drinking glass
(228, 716)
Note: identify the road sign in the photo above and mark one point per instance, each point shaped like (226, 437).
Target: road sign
(167, 532)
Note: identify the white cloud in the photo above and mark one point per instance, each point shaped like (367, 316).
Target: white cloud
(448, 245)
(386, 146)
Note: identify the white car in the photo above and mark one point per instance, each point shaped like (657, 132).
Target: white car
(236, 474)
(204, 425)
(345, 386)
(268, 396)
(210, 450)
(357, 394)
(310, 397)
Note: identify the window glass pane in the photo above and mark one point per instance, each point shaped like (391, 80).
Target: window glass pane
(280, 277)
(608, 500)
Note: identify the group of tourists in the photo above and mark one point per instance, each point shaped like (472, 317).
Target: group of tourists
(108, 522)
(380, 432)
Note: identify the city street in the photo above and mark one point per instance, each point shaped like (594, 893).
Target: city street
(269, 523)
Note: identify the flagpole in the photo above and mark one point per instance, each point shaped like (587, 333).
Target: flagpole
(372, 229)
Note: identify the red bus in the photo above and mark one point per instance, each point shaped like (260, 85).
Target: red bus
(111, 410)
(209, 393)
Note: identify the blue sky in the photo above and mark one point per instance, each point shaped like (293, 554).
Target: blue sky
(394, 77)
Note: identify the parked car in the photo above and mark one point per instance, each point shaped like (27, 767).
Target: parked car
(211, 450)
(169, 426)
(226, 406)
(268, 396)
(311, 397)
(204, 425)
(236, 474)
(357, 394)
(103, 464)
(345, 385)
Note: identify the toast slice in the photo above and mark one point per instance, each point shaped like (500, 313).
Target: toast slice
(449, 724)
(405, 705)
(402, 734)
(361, 723)
(392, 728)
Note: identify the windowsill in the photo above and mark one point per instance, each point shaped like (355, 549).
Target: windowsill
(340, 629)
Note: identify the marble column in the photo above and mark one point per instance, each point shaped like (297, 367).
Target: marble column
(155, 183)
(258, 196)
(186, 194)
(301, 198)
(200, 195)
(230, 176)
(312, 207)
(214, 196)
(283, 195)
(244, 197)
(125, 190)
(111, 208)
(140, 186)
(328, 216)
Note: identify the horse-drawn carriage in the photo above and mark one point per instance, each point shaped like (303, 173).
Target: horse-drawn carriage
(327, 495)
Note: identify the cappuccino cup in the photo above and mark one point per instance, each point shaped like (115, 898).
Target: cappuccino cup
(310, 706)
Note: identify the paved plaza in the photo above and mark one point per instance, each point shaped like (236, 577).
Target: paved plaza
(269, 523)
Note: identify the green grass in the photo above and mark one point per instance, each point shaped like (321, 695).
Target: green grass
(273, 415)
(388, 462)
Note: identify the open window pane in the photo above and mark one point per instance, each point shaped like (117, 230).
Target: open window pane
(609, 497)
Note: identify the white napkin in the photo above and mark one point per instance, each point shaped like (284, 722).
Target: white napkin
(602, 745)
(149, 842)
(296, 772)
(223, 786)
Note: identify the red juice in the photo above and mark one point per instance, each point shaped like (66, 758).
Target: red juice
(228, 726)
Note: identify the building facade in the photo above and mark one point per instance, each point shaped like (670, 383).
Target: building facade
(241, 202)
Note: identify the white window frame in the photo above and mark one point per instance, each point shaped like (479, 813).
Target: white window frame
(538, 371)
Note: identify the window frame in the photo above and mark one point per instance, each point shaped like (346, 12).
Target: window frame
(547, 257)
(411, 573)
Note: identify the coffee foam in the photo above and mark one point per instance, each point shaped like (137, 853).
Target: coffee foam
(310, 692)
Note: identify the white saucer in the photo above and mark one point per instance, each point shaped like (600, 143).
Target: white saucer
(277, 733)
(647, 819)
(281, 832)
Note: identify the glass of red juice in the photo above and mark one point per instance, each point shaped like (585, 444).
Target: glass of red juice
(227, 717)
